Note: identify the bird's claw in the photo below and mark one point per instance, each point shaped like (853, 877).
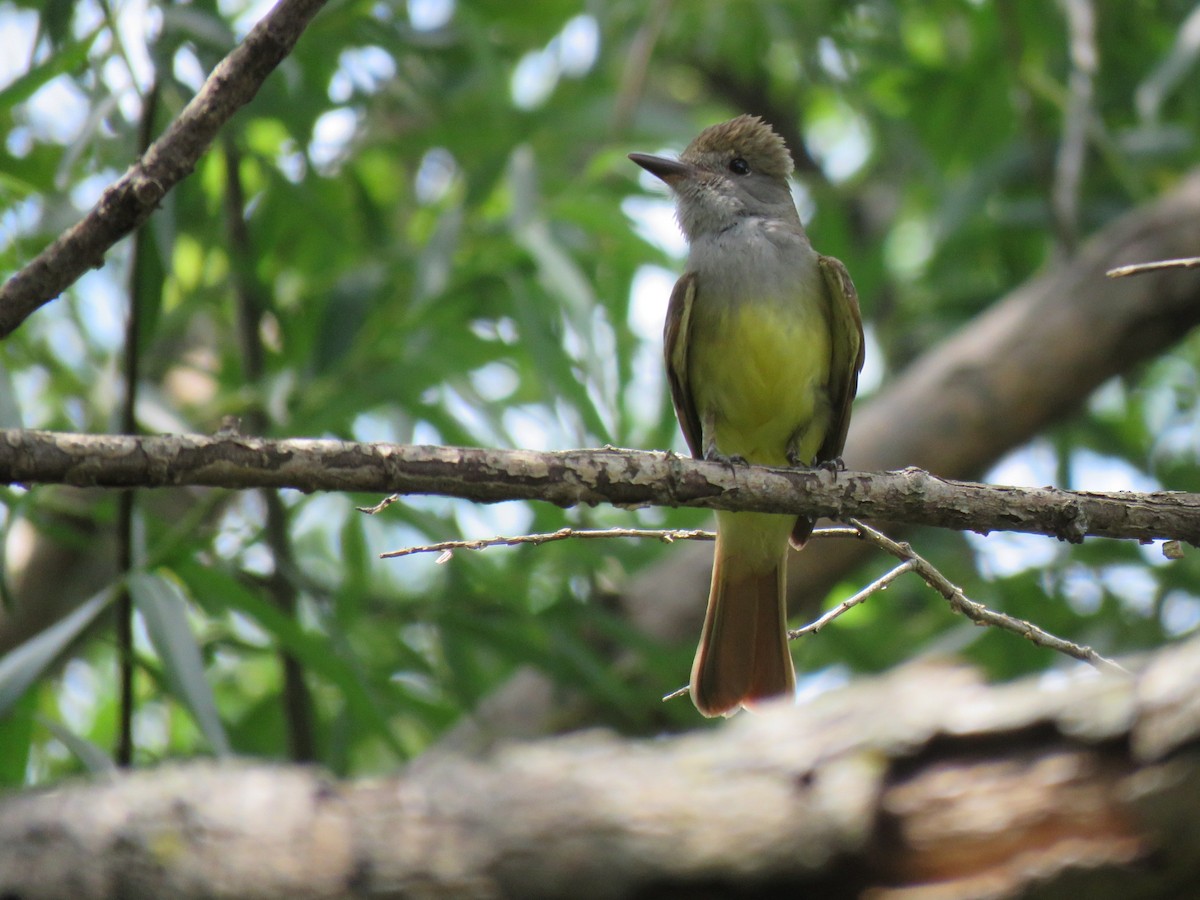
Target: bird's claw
(712, 455)
(832, 466)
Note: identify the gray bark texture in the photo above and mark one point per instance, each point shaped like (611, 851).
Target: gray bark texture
(920, 785)
(572, 477)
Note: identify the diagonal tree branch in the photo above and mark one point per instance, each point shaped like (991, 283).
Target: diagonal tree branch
(571, 477)
(130, 200)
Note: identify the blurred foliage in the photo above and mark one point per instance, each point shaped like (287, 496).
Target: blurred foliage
(443, 239)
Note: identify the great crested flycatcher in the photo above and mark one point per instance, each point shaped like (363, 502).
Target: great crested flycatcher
(763, 344)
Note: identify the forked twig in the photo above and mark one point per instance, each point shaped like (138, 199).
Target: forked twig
(977, 612)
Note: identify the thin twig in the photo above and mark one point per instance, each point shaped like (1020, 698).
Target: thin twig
(446, 548)
(380, 506)
(979, 613)
(666, 535)
(1188, 262)
(845, 606)
(681, 692)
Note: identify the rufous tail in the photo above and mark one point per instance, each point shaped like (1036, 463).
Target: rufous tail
(743, 654)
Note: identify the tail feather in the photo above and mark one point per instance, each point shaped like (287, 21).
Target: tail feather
(743, 654)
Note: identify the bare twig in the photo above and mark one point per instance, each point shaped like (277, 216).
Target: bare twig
(446, 548)
(666, 535)
(130, 200)
(845, 606)
(676, 694)
(380, 506)
(1189, 262)
(980, 614)
(911, 561)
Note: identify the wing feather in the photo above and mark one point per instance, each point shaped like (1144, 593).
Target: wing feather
(675, 350)
(846, 361)
(846, 342)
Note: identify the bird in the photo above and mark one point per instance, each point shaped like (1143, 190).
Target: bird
(763, 345)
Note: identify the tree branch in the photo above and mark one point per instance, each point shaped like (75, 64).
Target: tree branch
(567, 478)
(977, 612)
(130, 200)
(923, 783)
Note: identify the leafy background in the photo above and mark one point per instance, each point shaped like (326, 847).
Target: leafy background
(424, 229)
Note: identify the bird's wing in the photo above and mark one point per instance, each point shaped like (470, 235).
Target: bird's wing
(675, 350)
(846, 333)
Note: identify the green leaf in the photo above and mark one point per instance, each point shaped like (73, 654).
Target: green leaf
(66, 58)
(311, 650)
(164, 609)
(94, 758)
(16, 736)
(22, 666)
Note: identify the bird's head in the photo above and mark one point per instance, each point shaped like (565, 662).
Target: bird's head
(732, 170)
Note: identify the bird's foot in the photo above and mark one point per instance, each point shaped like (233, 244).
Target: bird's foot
(712, 455)
(833, 466)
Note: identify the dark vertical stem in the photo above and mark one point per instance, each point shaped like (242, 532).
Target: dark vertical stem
(124, 636)
(249, 306)
(297, 700)
(125, 500)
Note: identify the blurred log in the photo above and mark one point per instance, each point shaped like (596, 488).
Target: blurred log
(920, 785)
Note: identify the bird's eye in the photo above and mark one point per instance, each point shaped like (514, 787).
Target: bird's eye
(739, 166)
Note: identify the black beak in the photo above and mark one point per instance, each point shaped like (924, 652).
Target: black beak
(669, 170)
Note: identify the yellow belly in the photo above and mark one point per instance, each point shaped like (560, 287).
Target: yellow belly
(759, 377)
